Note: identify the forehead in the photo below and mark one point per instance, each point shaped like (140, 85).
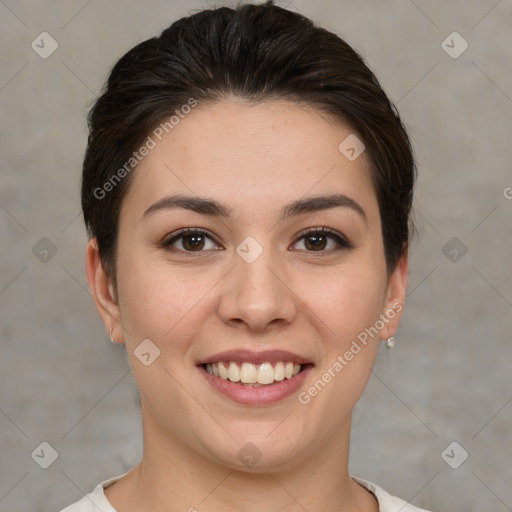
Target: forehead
(254, 155)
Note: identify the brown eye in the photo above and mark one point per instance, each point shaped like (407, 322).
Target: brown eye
(191, 240)
(322, 240)
(315, 242)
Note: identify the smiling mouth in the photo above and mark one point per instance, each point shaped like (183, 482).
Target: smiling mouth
(254, 375)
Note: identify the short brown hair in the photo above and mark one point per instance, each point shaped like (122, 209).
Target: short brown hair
(257, 52)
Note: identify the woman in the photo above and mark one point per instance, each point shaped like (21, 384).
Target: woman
(246, 188)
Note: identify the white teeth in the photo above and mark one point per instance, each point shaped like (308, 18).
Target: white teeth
(279, 372)
(265, 374)
(233, 372)
(288, 370)
(248, 373)
(223, 371)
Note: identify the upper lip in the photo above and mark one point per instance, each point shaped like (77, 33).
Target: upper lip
(249, 356)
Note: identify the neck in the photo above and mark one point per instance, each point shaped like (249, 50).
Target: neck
(172, 473)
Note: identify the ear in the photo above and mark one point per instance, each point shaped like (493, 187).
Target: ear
(102, 290)
(395, 298)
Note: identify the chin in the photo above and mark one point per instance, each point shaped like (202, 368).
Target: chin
(255, 454)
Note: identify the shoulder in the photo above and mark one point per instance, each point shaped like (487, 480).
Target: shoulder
(388, 503)
(95, 500)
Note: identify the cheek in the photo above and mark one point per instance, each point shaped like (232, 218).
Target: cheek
(344, 306)
(346, 302)
(155, 301)
(158, 305)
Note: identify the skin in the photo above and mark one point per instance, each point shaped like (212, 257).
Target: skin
(254, 159)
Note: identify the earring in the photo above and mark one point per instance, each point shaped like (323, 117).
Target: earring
(111, 329)
(390, 342)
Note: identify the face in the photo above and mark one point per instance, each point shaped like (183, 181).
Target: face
(281, 261)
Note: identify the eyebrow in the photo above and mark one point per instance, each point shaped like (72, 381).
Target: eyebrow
(207, 206)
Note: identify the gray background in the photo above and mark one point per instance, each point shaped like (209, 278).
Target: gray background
(448, 378)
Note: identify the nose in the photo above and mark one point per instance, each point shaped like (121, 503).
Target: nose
(255, 295)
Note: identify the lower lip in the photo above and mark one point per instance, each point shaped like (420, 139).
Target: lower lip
(264, 395)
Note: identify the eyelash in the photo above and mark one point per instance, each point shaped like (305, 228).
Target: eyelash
(342, 242)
